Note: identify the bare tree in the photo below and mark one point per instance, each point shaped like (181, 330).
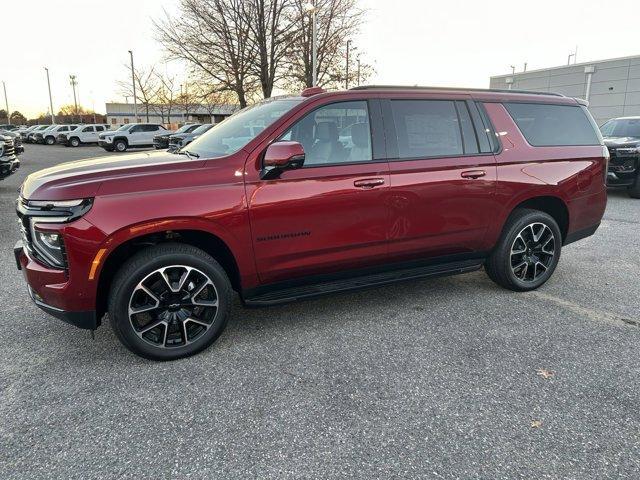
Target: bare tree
(146, 87)
(336, 21)
(214, 37)
(271, 35)
(211, 98)
(166, 97)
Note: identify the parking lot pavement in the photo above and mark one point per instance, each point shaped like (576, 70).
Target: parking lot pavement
(441, 378)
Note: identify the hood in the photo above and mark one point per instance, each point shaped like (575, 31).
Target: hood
(621, 141)
(82, 178)
(180, 135)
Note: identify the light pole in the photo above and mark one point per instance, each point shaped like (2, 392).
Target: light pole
(53, 117)
(346, 80)
(73, 81)
(358, 70)
(133, 81)
(6, 103)
(311, 9)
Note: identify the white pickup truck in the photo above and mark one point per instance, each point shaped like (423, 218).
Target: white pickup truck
(82, 135)
(131, 135)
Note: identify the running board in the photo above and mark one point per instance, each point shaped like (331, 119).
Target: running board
(280, 295)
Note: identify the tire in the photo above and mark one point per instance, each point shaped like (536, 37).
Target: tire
(74, 141)
(49, 141)
(120, 146)
(519, 261)
(634, 190)
(175, 314)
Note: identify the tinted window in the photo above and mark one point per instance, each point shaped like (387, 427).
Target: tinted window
(426, 128)
(87, 129)
(553, 125)
(621, 128)
(334, 133)
(99, 128)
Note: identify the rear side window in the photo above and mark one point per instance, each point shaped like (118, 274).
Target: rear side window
(546, 125)
(427, 128)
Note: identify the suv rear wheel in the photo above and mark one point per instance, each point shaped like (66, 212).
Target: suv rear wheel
(169, 301)
(74, 141)
(528, 251)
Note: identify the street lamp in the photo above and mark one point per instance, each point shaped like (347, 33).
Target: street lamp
(6, 103)
(53, 118)
(74, 82)
(311, 9)
(133, 81)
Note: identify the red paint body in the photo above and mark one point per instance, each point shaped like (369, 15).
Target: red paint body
(313, 220)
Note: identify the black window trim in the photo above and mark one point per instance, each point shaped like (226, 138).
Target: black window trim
(392, 138)
(494, 138)
(373, 111)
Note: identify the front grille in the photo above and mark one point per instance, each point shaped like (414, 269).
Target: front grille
(9, 148)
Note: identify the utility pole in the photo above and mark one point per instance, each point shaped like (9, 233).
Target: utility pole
(346, 80)
(73, 81)
(53, 117)
(513, 69)
(312, 9)
(133, 81)
(6, 103)
(525, 66)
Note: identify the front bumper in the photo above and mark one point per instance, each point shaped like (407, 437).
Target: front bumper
(623, 168)
(161, 143)
(105, 144)
(44, 283)
(9, 167)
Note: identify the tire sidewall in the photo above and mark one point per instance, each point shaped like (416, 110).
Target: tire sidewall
(117, 144)
(74, 142)
(121, 294)
(509, 238)
(49, 141)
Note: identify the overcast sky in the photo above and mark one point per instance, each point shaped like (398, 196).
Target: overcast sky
(452, 42)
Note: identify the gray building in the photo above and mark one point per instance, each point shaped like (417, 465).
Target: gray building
(121, 113)
(612, 87)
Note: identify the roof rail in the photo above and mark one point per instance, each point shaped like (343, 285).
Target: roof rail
(453, 89)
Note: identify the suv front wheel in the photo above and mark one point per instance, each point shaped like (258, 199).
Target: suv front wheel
(169, 301)
(634, 190)
(528, 251)
(120, 145)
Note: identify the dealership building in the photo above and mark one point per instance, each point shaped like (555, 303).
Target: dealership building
(121, 113)
(612, 87)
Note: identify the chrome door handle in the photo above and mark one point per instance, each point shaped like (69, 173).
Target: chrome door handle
(369, 182)
(473, 174)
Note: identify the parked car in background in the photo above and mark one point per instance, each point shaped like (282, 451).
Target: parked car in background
(38, 136)
(131, 135)
(31, 136)
(25, 131)
(49, 136)
(9, 162)
(9, 127)
(179, 140)
(272, 204)
(17, 140)
(622, 138)
(82, 135)
(161, 142)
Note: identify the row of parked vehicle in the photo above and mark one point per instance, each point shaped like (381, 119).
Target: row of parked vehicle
(10, 148)
(131, 135)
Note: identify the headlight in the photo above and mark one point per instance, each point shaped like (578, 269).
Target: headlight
(37, 217)
(1, 148)
(49, 245)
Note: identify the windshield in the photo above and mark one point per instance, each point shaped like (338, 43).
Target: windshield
(184, 128)
(629, 127)
(202, 128)
(124, 127)
(235, 132)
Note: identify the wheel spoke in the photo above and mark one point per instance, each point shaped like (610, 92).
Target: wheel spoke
(532, 251)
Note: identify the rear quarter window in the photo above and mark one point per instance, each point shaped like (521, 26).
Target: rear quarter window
(545, 125)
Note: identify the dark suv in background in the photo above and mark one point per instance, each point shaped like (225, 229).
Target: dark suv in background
(307, 195)
(622, 138)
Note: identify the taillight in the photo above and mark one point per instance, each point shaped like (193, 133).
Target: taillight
(605, 163)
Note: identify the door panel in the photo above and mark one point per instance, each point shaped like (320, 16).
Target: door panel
(442, 195)
(332, 214)
(316, 220)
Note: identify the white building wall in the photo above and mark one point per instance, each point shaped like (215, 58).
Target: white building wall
(121, 113)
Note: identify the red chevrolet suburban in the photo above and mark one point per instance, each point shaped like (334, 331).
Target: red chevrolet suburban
(306, 195)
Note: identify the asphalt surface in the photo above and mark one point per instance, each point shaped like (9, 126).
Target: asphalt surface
(433, 379)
